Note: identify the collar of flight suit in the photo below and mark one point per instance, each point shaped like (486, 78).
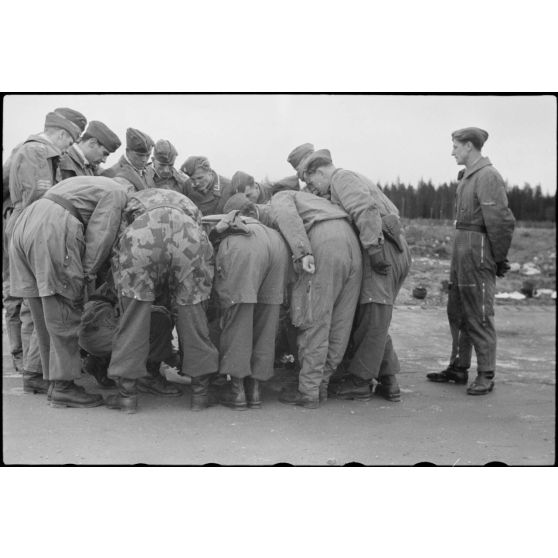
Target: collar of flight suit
(480, 164)
(52, 150)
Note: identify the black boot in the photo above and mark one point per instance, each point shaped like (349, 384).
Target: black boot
(127, 397)
(156, 384)
(33, 382)
(200, 392)
(452, 373)
(295, 397)
(252, 391)
(97, 367)
(233, 395)
(65, 393)
(388, 388)
(482, 384)
(353, 387)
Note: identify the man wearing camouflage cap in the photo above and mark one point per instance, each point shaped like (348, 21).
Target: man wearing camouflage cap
(162, 173)
(207, 189)
(162, 251)
(132, 166)
(33, 169)
(83, 157)
(485, 228)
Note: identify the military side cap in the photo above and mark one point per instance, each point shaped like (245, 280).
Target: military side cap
(138, 141)
(104, 135)
(76, 117)
(165, 152)
(195, 162)
(477, 136)
(56, 120)
(240, 180)
(296, 156)
(322, 155)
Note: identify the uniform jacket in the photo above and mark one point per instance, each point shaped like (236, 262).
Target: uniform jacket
(213, 201)
(176, 182)
(251, 268)
(33, 170)
(52, 242)
(482, 200)
(124, 169)
(72, 164)
(295, 213)
(163, 251)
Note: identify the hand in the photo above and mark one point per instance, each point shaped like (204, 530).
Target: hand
(502, 268)
(308, 264)
(378, 262)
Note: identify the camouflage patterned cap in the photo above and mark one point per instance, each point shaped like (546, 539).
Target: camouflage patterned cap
(75, 116)
(104, 135)
(165, 152)
(138, 141)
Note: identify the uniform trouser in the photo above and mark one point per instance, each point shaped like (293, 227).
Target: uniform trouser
(247, 341)
(461, 345)
(374, 355)
(56, 322)
(471, 298)
(131, 342)
(12, 307)
(29, 340)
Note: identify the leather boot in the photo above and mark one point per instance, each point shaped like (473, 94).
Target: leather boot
(252, 391)
(97, 367)
(295, 397)
(33, 382)
(17, 360)
(127, 397)
(482, 384)
(156, 384)
(233, 395)
(353, 387)
(200, 392)
(388, 388)
(66, 393)
(452, 373)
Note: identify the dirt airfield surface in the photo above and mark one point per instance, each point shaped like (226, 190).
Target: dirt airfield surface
(436, 423)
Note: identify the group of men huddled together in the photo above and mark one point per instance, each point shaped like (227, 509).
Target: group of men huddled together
(105, 263)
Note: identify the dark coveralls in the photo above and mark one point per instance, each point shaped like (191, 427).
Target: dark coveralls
(162, 250)
(322, 304)
(372, 353)
(485, 227)
(54, 254)
(250, 281)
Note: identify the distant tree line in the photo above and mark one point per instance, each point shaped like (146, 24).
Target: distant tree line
(427, 201)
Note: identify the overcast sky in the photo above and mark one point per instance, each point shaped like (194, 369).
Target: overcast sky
(383, 137)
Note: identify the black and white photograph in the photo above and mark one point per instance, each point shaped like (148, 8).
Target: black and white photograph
(250, 279)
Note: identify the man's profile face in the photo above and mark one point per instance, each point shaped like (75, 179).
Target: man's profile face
(94, 152)
(252, 192)
(317, 182)
(460, 151)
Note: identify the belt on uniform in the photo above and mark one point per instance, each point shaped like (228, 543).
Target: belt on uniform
(469, 227)
(66, 204)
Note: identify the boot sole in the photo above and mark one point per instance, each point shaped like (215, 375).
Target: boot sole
(141, 390)
(254, 405)
(127, 411)
(234, 407)
(349, 397)
(485, 392)
(60, 405)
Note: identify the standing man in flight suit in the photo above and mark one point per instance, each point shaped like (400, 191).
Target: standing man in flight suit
(386, 263)
(83, 157)
(162, 172)
(484, 233)
(132, 166)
